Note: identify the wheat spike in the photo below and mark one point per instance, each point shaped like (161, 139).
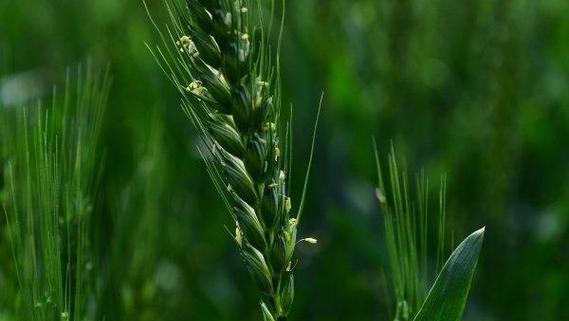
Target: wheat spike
(218, 55)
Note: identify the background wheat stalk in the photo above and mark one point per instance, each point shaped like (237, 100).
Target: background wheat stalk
(407, 216)
(53, 162)
(228, 75)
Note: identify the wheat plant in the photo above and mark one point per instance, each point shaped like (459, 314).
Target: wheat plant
(409, 216)
(219, 56)
(53, 161)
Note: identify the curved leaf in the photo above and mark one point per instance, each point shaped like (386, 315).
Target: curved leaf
(447, 298)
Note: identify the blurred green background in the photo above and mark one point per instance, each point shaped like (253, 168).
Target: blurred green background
(478, 89)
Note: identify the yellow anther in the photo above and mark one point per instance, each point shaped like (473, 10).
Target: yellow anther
(239, 236)
(310, 240)
(196, 88)
(186, 44)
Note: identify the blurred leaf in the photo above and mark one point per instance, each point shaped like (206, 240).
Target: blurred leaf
(447, 297)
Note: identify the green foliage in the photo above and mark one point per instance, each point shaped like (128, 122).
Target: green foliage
(407, 225)
(447, 298)
(51, 174)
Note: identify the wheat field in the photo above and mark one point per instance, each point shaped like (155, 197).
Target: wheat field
(284, 160)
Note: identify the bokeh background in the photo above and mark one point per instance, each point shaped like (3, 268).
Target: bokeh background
(476, 89)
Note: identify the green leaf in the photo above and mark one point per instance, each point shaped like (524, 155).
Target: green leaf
(447, 298)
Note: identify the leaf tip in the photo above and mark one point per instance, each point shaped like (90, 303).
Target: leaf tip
(478, 236)
(480, 232)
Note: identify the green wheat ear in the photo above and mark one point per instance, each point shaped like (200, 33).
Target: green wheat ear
(407, 213)
(218, 55)
(52, 166)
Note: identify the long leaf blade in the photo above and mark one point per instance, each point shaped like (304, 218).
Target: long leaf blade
(447, 298)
